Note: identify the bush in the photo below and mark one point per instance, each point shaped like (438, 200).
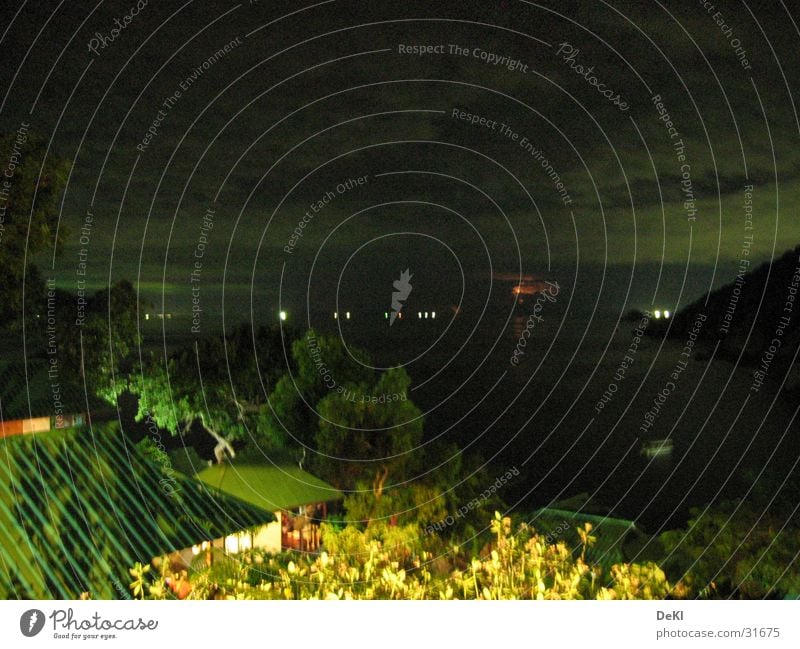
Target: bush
(518, 564)
(735, 550)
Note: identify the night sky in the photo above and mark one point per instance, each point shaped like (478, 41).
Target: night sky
(305, 99)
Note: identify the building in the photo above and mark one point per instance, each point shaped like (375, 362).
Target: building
(617, 539)
(79, 507)
(80, 504)
(298, 500)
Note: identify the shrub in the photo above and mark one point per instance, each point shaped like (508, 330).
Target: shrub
(517, 564)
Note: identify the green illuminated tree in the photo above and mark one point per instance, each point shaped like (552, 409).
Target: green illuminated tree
(219, 383)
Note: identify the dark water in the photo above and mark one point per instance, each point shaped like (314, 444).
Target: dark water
(541, 415)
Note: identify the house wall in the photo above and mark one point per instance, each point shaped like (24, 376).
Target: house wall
(268, 537)
(36, 425)
(13, 427)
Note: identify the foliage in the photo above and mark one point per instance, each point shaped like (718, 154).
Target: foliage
(394, 565)
(360, 439)
(735, 550)
(430, 499)
(417, 502)
(153, 451)
(320, 365)
(30, 218)
(94, 356)
(363, 428)
(220, 383)
(138, 573)
(110, 338)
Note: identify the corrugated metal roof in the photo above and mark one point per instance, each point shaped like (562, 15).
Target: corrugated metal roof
(79, 508)
(269, 486)
(611, 533)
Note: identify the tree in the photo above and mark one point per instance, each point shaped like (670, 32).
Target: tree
(368, 436)
(96, 353)
(110, 338)
(30, 189)
(219, 383)
(320, 365)
(416, 503)
(736, 549)
(189, 388)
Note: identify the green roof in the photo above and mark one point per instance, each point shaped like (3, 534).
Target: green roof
(79, 507)
(269, 486)
(612, 534)
(596, 520)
